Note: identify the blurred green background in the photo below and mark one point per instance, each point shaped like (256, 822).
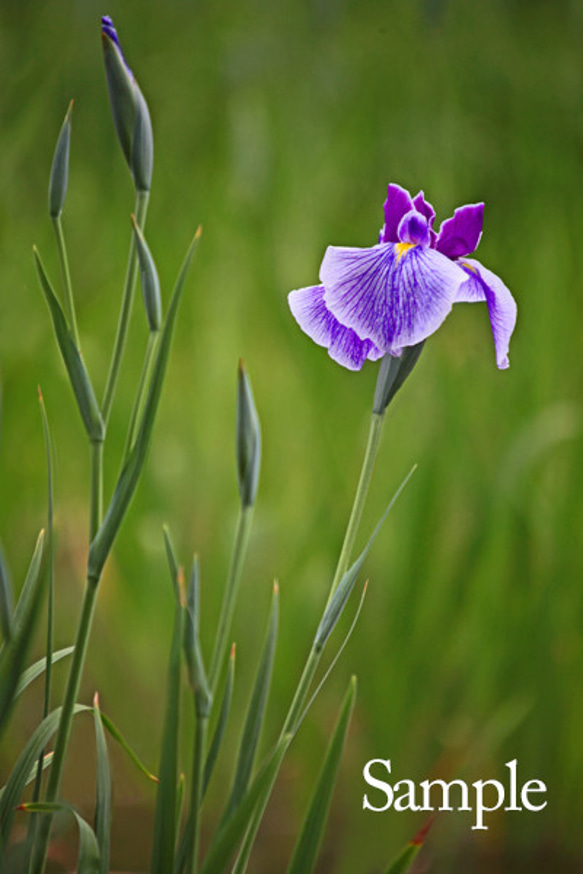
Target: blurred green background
(278, 126)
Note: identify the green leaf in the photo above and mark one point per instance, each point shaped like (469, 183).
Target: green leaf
(78, 375)
(173, 562)
(256, 711)
(248, 440)
(35, 670)
(118, 736)
(6, 608)
(47, 760)
(229, 836)
(129, 477)
(221, 723)
(337, 602)
(60, 168)
(404, 860)
(306, 851)
(103, 791)
(23, 767)
(88, 861)
(13, 654)
(166, 797)
(149, 280)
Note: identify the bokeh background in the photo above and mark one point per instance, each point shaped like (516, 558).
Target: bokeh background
(278, 127)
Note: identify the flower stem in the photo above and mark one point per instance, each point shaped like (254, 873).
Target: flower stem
(64, 261)
(126, 309)
(228, 607)
(196, 789)
(64, 730)
(303, 687)
(96, 504)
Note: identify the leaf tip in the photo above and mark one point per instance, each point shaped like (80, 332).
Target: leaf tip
(421, 835)
(233, 652)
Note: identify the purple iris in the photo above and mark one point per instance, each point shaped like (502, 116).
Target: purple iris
(396, 294)
(108, 29)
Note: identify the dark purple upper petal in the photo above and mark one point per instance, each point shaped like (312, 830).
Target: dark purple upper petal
(459, 235)
(413, 228)
(481, 284)
(343, 344)
(393, 294)
(398, 202)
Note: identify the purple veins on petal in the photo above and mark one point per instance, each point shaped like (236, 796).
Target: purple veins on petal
(459, 235)
(398, 202)
(481, 284)
(393, 294)
(343, 344)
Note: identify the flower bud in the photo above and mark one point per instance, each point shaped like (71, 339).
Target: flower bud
(392, 374)
(130, 111)
(149, 280)
(248, 440)
(60, 168)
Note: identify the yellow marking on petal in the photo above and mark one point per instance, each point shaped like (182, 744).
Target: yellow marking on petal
(468, 266)
(401, 248)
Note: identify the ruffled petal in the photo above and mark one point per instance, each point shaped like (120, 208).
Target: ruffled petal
(425, 208)
(343, 344)
(480, 285)
(398, 202)
(393, 294)
(459, 235)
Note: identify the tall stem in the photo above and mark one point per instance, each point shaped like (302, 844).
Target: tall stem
(64, 730)
(141, 393)
(196, 789)
(126, 309)
(96, 507)
(229, 599)
(64, 261)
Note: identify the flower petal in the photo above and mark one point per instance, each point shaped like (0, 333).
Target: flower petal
(424, 207)
(481, 285)
(459, 235)
(394, 295)
(343, 344)
(398, 202)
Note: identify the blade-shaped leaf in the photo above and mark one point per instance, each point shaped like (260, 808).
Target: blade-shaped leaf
(128, 479)
(221, 725)
(88, 860)
(404, 860)
(338, 601)
(173, 562)
(35, 670)
(116, 734)
(166, 797)
(229, 836)
(102, 791)
(306, 851)
(6, 607)
(47, 759)
(76, 370)
(256, 711)
(13, 654)
(22, 768)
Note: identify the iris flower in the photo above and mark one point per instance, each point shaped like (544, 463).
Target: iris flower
(377, 301)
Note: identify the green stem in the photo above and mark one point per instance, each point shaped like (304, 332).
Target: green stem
(96, 507)
(64, 730)
(196, 790)
(141, 393)
(303, 687)
(64, 261)
(126, 309)
(229, 599)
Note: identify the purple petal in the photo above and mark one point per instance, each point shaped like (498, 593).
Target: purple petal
(413, 228)
(398, 202)
(424, 207)
(108, 29)
(394, 295)
(481, 285)
(344, 346)
(460, 234)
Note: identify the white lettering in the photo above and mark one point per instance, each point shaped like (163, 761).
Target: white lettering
(377, 784)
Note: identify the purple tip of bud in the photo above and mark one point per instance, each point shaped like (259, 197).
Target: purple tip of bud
(108, 29)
